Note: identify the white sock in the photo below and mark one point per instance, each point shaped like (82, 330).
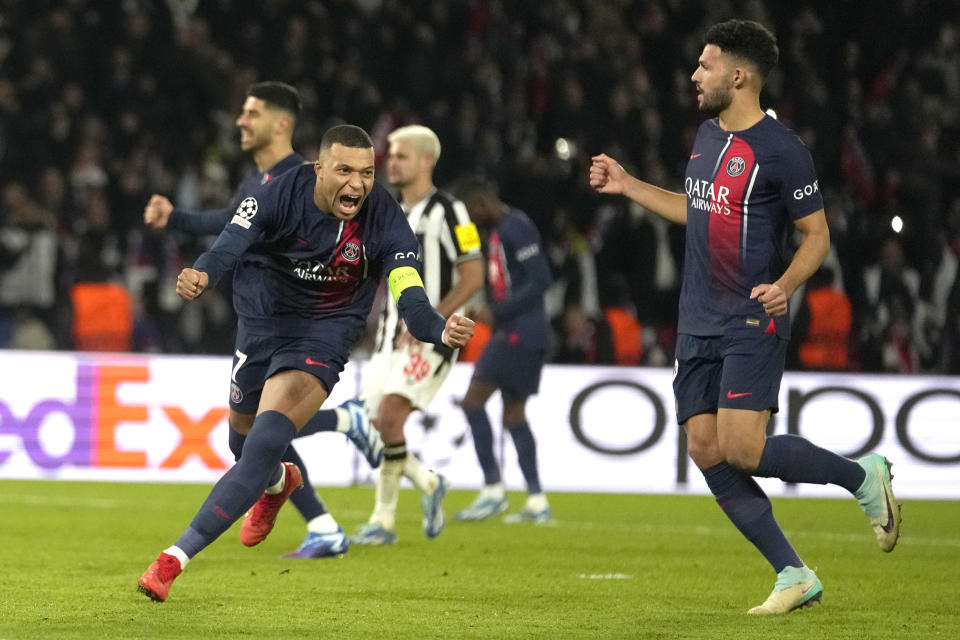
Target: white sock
(343, 419)
(323, 524)
(495, 491)
(388, 492)
(274, 489)
(424, 480)
(537, 502)
(178, 553)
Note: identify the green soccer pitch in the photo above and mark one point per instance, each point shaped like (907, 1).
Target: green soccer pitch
(610, 566)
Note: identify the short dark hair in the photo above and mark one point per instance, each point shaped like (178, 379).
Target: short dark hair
(346, 134)
(748, 40)
(278, 95)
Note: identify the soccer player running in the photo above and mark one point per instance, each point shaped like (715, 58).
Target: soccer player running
(406, 372)
(518, 275)
(309, 252)
(266, 122)
(748, 178)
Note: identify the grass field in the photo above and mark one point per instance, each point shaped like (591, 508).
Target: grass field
(612, 566)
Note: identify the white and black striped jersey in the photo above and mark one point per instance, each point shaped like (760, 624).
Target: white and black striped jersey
(447, 237)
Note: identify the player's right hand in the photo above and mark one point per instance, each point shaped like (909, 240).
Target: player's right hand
(606, 174)
(191, 283)
(157, 212)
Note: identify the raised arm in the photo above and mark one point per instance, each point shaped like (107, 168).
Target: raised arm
(607, 176)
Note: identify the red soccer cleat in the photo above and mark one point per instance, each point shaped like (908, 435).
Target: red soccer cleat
(156, 580)
(259, 521)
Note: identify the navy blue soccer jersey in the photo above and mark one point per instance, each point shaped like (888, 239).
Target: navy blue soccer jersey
(517, 277)
(297, 265)
(213, 221)
(744, 190)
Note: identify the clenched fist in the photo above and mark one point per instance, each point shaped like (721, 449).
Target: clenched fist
(157, 212)
(458, 331)
(191, 283)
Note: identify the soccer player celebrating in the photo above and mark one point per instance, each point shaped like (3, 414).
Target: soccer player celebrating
(517, 277)
(406, 372)
(748, 178)
(309, 253)
(266, 124)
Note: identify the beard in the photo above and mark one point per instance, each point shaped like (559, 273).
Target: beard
(716, 101)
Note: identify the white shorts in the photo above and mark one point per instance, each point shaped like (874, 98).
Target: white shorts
(416, 373)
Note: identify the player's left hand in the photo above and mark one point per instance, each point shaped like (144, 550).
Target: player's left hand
(772, 297)
(191, 283)
(458, 331)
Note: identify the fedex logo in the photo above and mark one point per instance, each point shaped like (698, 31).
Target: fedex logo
(95, 415)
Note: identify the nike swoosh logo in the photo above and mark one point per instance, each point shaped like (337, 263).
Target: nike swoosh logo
(220, 513)
(695, 155)
(731, 395)
(803, 592)
(319, 364)
(888, 525)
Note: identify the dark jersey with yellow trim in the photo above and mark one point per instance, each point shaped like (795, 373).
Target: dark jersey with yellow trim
(744, 189)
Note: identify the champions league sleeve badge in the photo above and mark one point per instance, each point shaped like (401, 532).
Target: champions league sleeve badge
(246, 211)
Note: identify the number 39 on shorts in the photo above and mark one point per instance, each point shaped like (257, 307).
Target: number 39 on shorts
(417, 366)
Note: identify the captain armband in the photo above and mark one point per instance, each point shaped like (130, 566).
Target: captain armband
(402, 278)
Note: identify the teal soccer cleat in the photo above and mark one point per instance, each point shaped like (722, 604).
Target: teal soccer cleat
(876, 498)
(795, 588)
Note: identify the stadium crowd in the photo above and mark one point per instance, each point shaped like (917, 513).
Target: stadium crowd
(103, 103)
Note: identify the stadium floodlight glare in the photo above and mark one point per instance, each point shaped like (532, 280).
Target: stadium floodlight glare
(564, 148)
(896, 223)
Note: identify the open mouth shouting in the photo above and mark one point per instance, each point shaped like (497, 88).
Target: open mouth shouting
(349, 205)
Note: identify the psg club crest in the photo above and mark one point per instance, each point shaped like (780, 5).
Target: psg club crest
(350, 251)
(235, 394)
(735, 166)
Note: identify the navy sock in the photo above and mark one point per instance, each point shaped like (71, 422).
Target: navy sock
(305, 499)
(242, 485)
(749, 509)
(325, 420)
(483, 444)
(526, 454)
(795, 459)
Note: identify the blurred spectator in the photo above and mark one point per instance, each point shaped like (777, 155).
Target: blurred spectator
(28, 262)
(104, 102)
(820, 336)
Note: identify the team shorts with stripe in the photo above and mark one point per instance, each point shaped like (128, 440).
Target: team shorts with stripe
(258, 357)
(512, 368)
(729, 372)
(415, 373)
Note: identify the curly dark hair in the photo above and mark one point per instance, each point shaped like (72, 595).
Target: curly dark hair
(748, 40)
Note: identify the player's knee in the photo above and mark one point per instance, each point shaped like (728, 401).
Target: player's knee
(704, 453)
(741, 457)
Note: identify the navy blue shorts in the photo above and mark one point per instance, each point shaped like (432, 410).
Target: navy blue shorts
(258, 357)
(512, 368)
(729, 372)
